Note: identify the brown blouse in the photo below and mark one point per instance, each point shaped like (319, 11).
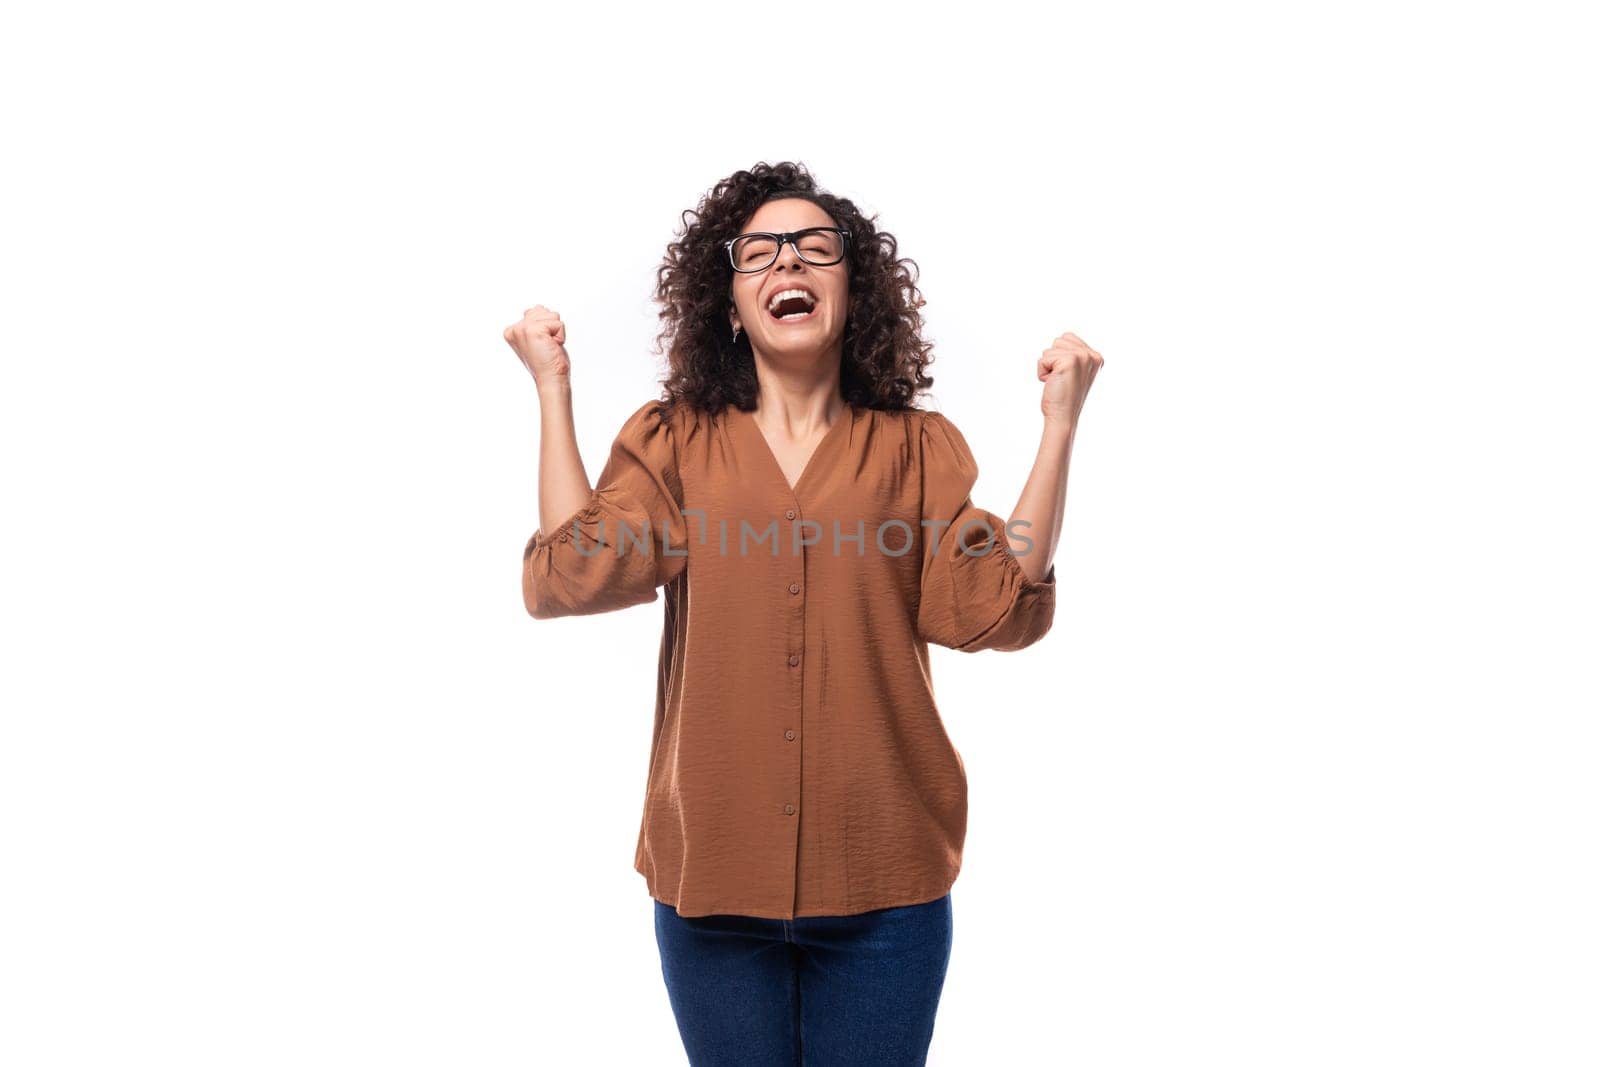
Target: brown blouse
(799, 765)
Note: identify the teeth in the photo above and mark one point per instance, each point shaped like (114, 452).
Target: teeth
(779, 297)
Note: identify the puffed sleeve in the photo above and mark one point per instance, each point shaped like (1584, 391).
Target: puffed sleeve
(612, 553)
(973, 597)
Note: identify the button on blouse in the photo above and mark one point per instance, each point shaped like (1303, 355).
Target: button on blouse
(798, 765)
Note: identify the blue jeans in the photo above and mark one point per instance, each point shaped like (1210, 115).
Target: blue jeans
(818, 991)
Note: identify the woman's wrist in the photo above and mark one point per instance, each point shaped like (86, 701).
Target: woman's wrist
(1058, 433)
(557, 389)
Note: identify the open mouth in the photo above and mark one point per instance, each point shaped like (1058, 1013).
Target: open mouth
(792, 305)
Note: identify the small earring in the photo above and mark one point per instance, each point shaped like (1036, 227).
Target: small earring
(736, 333)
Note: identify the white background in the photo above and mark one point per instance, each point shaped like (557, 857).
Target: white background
(1305, 772)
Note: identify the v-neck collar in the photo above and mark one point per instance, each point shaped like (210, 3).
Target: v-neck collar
(760, 444)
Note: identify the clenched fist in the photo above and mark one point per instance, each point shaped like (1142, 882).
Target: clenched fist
(540, 341)
(1067, 369)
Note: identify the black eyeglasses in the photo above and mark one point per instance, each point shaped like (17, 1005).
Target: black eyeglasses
(820, 246)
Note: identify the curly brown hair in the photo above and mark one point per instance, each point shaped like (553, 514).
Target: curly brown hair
(884, 359)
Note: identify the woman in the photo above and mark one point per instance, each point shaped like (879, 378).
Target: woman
(812, 529)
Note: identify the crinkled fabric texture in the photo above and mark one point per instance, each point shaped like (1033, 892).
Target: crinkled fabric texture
(799, 765)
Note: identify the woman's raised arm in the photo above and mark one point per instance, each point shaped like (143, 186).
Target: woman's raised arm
(539, 340)
(611, 546)
(1067, 369)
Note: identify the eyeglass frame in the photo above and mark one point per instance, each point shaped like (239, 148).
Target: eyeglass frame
(844, 246)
